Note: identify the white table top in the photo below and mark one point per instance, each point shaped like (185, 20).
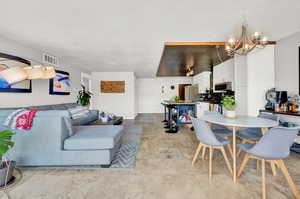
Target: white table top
(240, 121)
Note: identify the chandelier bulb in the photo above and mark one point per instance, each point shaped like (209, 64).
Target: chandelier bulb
(231, 41)
(264, 40)
(256, 35)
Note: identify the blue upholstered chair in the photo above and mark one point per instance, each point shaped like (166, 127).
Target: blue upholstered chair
(208, 139)
(252, 135)
(272, 147)
(220, 131)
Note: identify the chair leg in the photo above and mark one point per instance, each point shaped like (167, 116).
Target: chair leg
(273, 167)
(240, 150)
(230, 150)
(211, 151)
(257, 164)
(245, 161)
(263, 172)
(226, 159)
(288, 178)
(203, 152)
(196, 154)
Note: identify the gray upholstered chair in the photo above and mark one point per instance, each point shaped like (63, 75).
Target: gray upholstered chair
(272, 147)
(220, 131)
(208, 140)
(252, 135)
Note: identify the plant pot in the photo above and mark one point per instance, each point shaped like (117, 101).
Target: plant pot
(6, 174)
(230, 114)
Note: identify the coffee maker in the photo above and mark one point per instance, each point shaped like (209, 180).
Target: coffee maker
(275, 97)
(281, 97)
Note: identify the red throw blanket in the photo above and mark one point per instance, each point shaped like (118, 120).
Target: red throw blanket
(24, 121)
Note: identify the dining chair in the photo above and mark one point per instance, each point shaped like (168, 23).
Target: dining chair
(208, 139)
(273, 147)
(252, 135)
(220, 131)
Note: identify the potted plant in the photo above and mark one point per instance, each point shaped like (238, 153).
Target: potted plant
(6, 166)
(229, 104)
(84, 97)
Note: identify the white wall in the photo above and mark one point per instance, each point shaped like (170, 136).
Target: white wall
(287, 64)
(121, 104)
(203, 81)
(254, 75)
(150, 93)
(40, 88)
(241, 87)
(260, 77)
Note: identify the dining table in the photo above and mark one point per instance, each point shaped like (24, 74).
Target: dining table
(239, 122)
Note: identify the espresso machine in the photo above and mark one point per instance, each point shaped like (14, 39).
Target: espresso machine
(275, 97)
(281, 97)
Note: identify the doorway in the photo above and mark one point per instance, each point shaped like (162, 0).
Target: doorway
(86, 81)
(181, 90)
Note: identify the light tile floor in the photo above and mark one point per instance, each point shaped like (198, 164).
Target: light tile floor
(163, 171)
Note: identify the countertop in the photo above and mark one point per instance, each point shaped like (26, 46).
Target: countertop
(181, 102)
(282, 113)
(186, 102)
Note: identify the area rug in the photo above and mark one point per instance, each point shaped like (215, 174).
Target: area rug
(124, 158)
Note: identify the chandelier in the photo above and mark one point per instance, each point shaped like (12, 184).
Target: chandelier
(245, 43)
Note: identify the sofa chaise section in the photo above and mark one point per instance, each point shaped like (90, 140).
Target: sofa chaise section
(93, 137)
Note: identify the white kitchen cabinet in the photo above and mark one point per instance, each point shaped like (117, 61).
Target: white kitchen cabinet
(201, 107)
(223, 72)
(203, 81)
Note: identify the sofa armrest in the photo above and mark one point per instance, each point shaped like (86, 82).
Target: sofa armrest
(96, 112)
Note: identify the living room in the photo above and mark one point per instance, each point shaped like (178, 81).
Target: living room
(132, 99)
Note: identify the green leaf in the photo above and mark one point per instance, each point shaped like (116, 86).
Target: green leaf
(229, 103)
(5, 141)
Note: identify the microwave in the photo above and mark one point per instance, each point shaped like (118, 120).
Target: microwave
(223, 86)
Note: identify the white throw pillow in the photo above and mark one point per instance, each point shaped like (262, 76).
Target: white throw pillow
(78, 112)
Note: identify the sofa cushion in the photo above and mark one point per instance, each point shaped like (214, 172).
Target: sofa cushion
(93, 137)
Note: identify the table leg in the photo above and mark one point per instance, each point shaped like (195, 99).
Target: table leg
(234, 152)
(264, 130)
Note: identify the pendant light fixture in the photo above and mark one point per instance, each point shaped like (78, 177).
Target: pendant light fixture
(14, 74)
(246, 42)
(49, 72)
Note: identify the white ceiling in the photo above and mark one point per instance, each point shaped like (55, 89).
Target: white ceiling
(120, 35)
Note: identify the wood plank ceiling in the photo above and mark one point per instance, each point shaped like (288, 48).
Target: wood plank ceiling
(177, 56)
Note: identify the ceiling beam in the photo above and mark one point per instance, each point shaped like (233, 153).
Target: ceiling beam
(215, 43)
(194, 43)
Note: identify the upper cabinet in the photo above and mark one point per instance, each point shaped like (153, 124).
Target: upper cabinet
(224, 72)
(203, 81)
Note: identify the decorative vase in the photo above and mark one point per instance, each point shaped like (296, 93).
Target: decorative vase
(230, 114)
(6, 173)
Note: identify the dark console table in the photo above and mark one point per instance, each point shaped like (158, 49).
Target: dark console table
(116, 121)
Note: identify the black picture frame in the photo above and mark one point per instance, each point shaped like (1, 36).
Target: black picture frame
(16, 90)
(51, 84)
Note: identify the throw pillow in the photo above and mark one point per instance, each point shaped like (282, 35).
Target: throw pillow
(78, 112)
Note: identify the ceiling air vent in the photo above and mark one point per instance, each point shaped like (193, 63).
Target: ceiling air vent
(50, 60)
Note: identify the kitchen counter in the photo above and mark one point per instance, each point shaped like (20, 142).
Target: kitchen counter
(282, 113)
(181, 102)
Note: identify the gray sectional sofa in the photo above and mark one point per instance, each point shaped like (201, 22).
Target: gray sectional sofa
(54, 141)
(93, 116)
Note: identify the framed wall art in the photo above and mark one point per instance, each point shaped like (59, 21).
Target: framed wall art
(9, 61)
(60, 84)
